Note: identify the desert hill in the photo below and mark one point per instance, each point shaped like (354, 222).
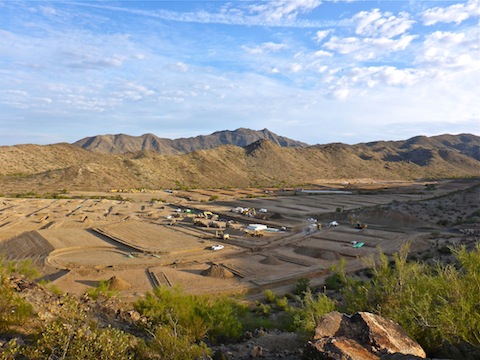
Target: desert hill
(262, 163)
(121, 143)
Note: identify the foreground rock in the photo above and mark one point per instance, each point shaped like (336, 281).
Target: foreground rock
(362, 336)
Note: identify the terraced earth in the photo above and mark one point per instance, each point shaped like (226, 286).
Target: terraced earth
(77, 242)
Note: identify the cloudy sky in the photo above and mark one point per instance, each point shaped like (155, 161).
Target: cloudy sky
(312, 70)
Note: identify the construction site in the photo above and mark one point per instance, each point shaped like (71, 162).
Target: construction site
(235, 241)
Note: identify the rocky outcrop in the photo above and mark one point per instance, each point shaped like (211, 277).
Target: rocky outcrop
(362, 336)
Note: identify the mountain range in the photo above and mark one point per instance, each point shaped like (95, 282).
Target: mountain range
(240, 158)
(121, 143)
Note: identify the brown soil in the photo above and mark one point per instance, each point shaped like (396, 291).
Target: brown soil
(118, 284)
(271, 260)
(54, 233)
(217, 271)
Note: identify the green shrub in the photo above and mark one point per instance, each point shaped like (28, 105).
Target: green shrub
(22, 267)
(13, 309)
(72, 335)
(282, 303)
(263, 309)
(434, 304)
(169, 344)
(302, 286)
(305, 318)
(196, 316)
(333, 282)
(102, 289)
(10, 350)
(270, 296)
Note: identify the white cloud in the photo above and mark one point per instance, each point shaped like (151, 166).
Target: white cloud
(368, 48)
(295, 67)
(15, 92)
(45, 100)
(384, 75)
(322, 53)
(384, 25)
(275, 11)
(450, 51)
(264, 48)
(321, 35)
(270, 13)
(179, 66)
(134, 91)
(95, 62)
(451, 14)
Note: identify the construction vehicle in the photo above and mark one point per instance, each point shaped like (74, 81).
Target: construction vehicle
(359, 225)
(219, 234)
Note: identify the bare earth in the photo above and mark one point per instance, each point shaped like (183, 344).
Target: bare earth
(154, 238)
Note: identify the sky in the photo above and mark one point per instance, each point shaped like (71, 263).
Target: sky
(316, 71)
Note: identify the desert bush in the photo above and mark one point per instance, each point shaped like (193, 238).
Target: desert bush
(10, 350)
(282, 303)
(169, 344)
(196, 316)
(302, 286)
(333, 282)
(102, 289)
(311, 309)
(434, 304)
(73, 335)
(270, 296)
(13, 309)
(263, 309)
(21, 267)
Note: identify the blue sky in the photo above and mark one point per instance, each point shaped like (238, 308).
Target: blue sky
(315, 71)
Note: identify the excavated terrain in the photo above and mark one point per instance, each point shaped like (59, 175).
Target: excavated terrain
(168, 238)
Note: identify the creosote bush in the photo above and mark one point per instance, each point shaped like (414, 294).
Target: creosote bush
(102, 289)
(73, 335)
(196, 317)
(311, 309)
(14, 311)
(436, 304)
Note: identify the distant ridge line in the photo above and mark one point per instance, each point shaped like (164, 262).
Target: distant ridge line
(122, 143)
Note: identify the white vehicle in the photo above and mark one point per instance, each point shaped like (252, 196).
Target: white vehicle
(217, 247)
(334, 223)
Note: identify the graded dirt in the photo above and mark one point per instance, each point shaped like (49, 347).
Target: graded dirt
(136, 246)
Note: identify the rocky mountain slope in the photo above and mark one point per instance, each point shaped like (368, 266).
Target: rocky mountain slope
(262, 163)
(121, 143)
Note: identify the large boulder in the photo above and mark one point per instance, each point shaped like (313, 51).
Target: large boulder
(362, 336)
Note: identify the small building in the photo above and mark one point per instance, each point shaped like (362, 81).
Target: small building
(257, 227)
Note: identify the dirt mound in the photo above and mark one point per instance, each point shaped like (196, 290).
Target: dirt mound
(218, 271)
(29, 244)
(270, 260)
(276, 216)
(317, 253)
(117, 284)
